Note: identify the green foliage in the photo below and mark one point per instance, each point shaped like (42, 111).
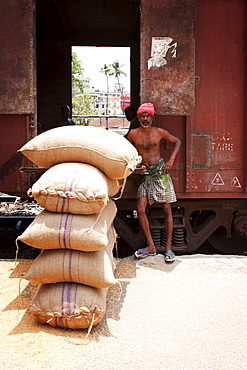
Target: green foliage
(116, 70)
(107, 71)
(77, 70)
(82, 103)
(110, 70)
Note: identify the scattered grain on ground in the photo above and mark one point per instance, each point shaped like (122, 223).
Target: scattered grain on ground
(188, 315)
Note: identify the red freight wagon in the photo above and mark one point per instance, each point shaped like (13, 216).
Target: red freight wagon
(187, 57)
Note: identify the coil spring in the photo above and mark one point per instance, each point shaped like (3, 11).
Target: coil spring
(159, 237)
(178, 237)
(163, 237)
(156, 236)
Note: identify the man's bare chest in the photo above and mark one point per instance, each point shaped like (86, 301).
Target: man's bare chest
(146, 144)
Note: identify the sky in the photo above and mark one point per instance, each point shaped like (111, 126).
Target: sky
(93, 58)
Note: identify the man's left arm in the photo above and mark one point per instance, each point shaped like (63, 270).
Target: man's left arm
(177, 143)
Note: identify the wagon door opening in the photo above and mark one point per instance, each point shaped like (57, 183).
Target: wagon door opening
(62, 24)
(101, 86)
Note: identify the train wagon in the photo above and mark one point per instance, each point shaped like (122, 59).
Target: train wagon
(188, 58)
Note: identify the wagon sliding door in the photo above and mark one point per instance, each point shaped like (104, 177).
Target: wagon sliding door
(17, 90)
(193, 68)
(167, 48)
(167, 55)
(216, 133)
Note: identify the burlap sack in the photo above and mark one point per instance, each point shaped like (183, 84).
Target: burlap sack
(106, 150)
(69, 305)
(73, 188)
(90, 268)
(67, 231)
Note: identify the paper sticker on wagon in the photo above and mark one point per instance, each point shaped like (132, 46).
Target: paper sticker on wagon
(159, 49)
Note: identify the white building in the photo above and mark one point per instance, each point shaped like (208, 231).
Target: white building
(113, 100)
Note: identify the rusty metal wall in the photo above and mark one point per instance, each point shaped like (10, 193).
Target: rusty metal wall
(167, 55)
(17, 61)
(13, 133)
(17, 91)
(216, 141)
(212, 162)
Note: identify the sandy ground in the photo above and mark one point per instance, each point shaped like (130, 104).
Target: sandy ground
(183, 316)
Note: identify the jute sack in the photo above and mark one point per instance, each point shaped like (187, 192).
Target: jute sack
(87, 233)
(69, 305)
(106, 150)
(90, 268)
(73, 188)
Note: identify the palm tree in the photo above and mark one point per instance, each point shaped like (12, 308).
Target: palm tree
(116, 71)
(107, 71)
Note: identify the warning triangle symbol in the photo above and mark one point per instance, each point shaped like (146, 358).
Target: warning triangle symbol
(235, 182)
(217, 180)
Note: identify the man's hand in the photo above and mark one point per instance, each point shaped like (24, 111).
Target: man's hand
(168, 165)
(140, 170)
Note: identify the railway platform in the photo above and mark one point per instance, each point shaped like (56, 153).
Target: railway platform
(188, 315)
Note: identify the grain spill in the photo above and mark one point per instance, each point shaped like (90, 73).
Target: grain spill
(187, 315)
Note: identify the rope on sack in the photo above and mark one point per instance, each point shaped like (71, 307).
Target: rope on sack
(19, 292)
(128, 167)
(124, 183)
(85, 340)
(117, 281)
(90, 229)
(17, 250)
(19, 285)
(70, 194)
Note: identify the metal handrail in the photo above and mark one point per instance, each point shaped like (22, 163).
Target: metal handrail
(100, 116)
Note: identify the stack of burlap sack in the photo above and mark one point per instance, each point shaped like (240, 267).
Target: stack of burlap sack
(75, 230)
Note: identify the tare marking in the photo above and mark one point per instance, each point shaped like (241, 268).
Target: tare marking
(222, 142)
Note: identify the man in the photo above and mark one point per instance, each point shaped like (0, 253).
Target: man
(157, 185)
(130, 113)
(65, 117)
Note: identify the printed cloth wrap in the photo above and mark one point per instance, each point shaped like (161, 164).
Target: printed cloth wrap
(157, 186)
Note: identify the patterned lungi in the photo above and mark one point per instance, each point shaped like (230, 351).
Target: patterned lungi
(157, 186)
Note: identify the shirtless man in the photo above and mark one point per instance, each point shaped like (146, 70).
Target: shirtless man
(157, 185)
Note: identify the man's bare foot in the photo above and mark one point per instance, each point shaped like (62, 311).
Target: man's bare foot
(169, 255)
(146, 252)
(168, 250)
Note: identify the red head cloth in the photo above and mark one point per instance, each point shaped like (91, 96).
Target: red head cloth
(146, 108)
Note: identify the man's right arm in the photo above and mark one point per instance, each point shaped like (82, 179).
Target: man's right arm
(129, 137)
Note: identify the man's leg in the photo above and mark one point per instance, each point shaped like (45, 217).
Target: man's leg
(143, 221)
(167, 209)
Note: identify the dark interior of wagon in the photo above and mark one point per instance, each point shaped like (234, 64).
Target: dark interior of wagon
(61, 24)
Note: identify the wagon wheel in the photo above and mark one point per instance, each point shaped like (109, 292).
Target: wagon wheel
(233, 245)
(130, 238)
